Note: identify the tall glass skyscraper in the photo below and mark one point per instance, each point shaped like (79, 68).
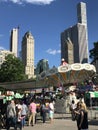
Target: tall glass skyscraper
(78, 36)
(81, 13)
(42, 65)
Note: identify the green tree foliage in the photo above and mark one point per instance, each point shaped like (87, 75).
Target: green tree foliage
(94, 52)
(12, 69)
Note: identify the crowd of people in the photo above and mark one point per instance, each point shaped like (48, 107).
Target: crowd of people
(19, 114)
(24, 112)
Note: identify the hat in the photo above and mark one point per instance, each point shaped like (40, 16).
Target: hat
(19, 107)
(62, 59)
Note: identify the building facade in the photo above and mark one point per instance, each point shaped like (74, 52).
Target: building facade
(28, 54)
(81, 13)
(70, 51)
(14, 41)
(95, 63)
(78, 36)
(42, 65)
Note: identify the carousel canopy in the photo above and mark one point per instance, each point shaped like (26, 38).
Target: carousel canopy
(64, 74)
(67, 74)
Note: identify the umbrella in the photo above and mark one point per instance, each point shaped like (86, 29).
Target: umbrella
(70, 73)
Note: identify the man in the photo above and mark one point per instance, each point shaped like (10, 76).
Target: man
(11, 115)
(24, 112)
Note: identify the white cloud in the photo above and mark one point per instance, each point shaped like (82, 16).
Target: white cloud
(53, 52)
(2, 48)
(30, 1)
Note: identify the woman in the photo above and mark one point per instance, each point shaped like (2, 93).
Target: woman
(19, 118)
(51, 111)
(43, 111)
(32, 109)
(82, 116)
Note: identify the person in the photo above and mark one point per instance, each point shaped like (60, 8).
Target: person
(51, 111)
(82, 120)
(43, 111)
(24, 111)
(72, 108)
(32, 109)
(18, 105)
(11, 115)
(63, 62)
(73, 105)
(19, 118)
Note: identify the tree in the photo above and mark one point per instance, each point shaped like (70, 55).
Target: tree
(12, 69)
(94, 52)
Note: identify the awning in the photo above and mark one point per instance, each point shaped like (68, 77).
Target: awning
(23, 85)
(92, 94)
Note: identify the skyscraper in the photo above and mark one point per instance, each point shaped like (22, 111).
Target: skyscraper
(81, 13)
(42, 65)
(28, 54)
(14, 41)
(78, 36)
(69, 48)
(82, 18)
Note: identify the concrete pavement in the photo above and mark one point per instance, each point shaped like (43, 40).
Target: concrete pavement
(62, 122)
(59, 124)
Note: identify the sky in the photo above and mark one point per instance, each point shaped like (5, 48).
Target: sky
(45, 19)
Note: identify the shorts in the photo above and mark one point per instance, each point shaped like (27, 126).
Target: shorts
(51, 113)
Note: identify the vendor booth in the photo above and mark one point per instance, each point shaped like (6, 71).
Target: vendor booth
(92, 94)
(91, 99)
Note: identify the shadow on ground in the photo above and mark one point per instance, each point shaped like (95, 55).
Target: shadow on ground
(93, 122)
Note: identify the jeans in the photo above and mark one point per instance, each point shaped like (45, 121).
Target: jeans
(23, 120)
(11, 122)
(44, 116)
(19, 125)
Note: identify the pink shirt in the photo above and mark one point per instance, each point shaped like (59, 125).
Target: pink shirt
(32, 107)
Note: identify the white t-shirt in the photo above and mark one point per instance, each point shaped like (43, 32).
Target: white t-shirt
(51, 106)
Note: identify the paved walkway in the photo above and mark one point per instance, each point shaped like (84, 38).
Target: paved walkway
(59, 124)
